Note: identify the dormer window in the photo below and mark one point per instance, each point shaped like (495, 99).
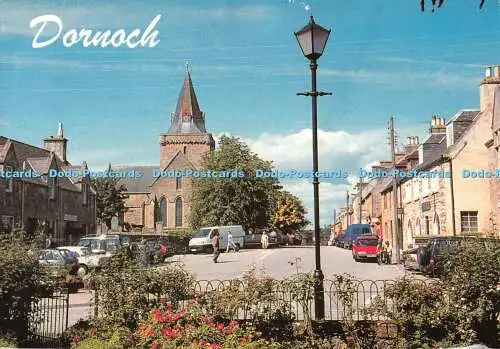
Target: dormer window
(52, 187)
(10, 180)
(85, 193)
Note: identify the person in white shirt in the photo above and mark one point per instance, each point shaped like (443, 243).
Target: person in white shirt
(230, 242)
(264, 240)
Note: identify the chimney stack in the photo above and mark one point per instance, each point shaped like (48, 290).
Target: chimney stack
(437, 125)
(411, 145)
(57, 144)
(487, 88)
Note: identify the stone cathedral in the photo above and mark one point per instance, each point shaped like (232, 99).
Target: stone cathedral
(163, 203)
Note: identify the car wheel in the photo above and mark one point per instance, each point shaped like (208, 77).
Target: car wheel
(82, 270)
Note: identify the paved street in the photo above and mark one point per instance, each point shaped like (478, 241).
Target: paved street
(274, 262)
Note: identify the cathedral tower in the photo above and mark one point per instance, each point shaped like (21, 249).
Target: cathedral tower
(187, 131)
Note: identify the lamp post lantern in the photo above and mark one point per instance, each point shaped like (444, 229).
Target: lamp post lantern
(312, 41)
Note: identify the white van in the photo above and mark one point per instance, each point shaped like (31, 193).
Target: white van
(202, 240)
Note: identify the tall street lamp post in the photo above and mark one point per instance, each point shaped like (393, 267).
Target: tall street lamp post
(312, 41)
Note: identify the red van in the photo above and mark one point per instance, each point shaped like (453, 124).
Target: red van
(365, 247)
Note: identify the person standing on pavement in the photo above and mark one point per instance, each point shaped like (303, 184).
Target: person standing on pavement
(230, 242)
(215, 245)
(264, 240)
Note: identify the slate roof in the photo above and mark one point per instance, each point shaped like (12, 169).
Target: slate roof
(38, 159)
(137, 185)
(461, 122)
(187, 118)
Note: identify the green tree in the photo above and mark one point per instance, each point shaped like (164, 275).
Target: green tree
(439, 4)
(111, 196)
(223, 201)
(289, 215)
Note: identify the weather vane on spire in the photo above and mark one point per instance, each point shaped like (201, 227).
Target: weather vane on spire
(187, 66)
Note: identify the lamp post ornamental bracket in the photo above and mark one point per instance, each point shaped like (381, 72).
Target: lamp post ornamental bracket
(311, 94)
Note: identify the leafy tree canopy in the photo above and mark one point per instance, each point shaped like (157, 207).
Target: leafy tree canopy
(289, 215)
(223, 201)
(111, 196)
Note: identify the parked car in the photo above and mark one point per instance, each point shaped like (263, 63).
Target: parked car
(429, 256)
(339, 240)
(353, 231)
(410, 259)
(101, 244)
(252, 240)
(62, 266)
(365, 247)
(86, 260)
(159, 249)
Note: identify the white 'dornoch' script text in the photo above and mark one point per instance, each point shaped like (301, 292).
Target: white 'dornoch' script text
(88, 37)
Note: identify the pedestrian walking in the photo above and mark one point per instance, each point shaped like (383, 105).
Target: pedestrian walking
(215, 245)
(230, 243)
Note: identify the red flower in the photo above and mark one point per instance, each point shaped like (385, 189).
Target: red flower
(154, 346)
(215, 346)
(158, 315)
(202, 343)
(228, 331)
(233, 324)
(162, 301)
(220, 326)
(76, 339)
(168, 332)
(170, 306)
(93, 330)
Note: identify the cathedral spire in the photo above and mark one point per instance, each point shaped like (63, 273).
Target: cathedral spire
(187, 118)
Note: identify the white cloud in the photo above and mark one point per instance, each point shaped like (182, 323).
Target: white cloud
(337, 150)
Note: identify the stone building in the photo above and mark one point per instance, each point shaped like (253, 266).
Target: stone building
(159, 203)
(491, 96)
(65, 205)
(448, 199)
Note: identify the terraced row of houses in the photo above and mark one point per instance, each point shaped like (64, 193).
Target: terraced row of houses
(457, 191)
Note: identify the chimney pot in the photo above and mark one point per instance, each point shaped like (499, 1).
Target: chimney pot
(416, 140)
(496, 71)
(408, 141)
(488, 72)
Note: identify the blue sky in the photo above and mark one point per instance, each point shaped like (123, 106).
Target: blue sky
(383, 58)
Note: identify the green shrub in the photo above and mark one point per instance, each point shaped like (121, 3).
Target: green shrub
(463, 308)
(22, 282)
(125, 291)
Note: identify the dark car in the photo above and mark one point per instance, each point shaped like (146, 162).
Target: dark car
(430, 256)
(352, 233)
(62, 266)
(339, 240)
(410, 259)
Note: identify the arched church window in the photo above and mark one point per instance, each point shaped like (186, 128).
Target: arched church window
(178, 182)
(418, 227)
(178, 212)
(436, 229)
(409, 233)
(163, 211)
